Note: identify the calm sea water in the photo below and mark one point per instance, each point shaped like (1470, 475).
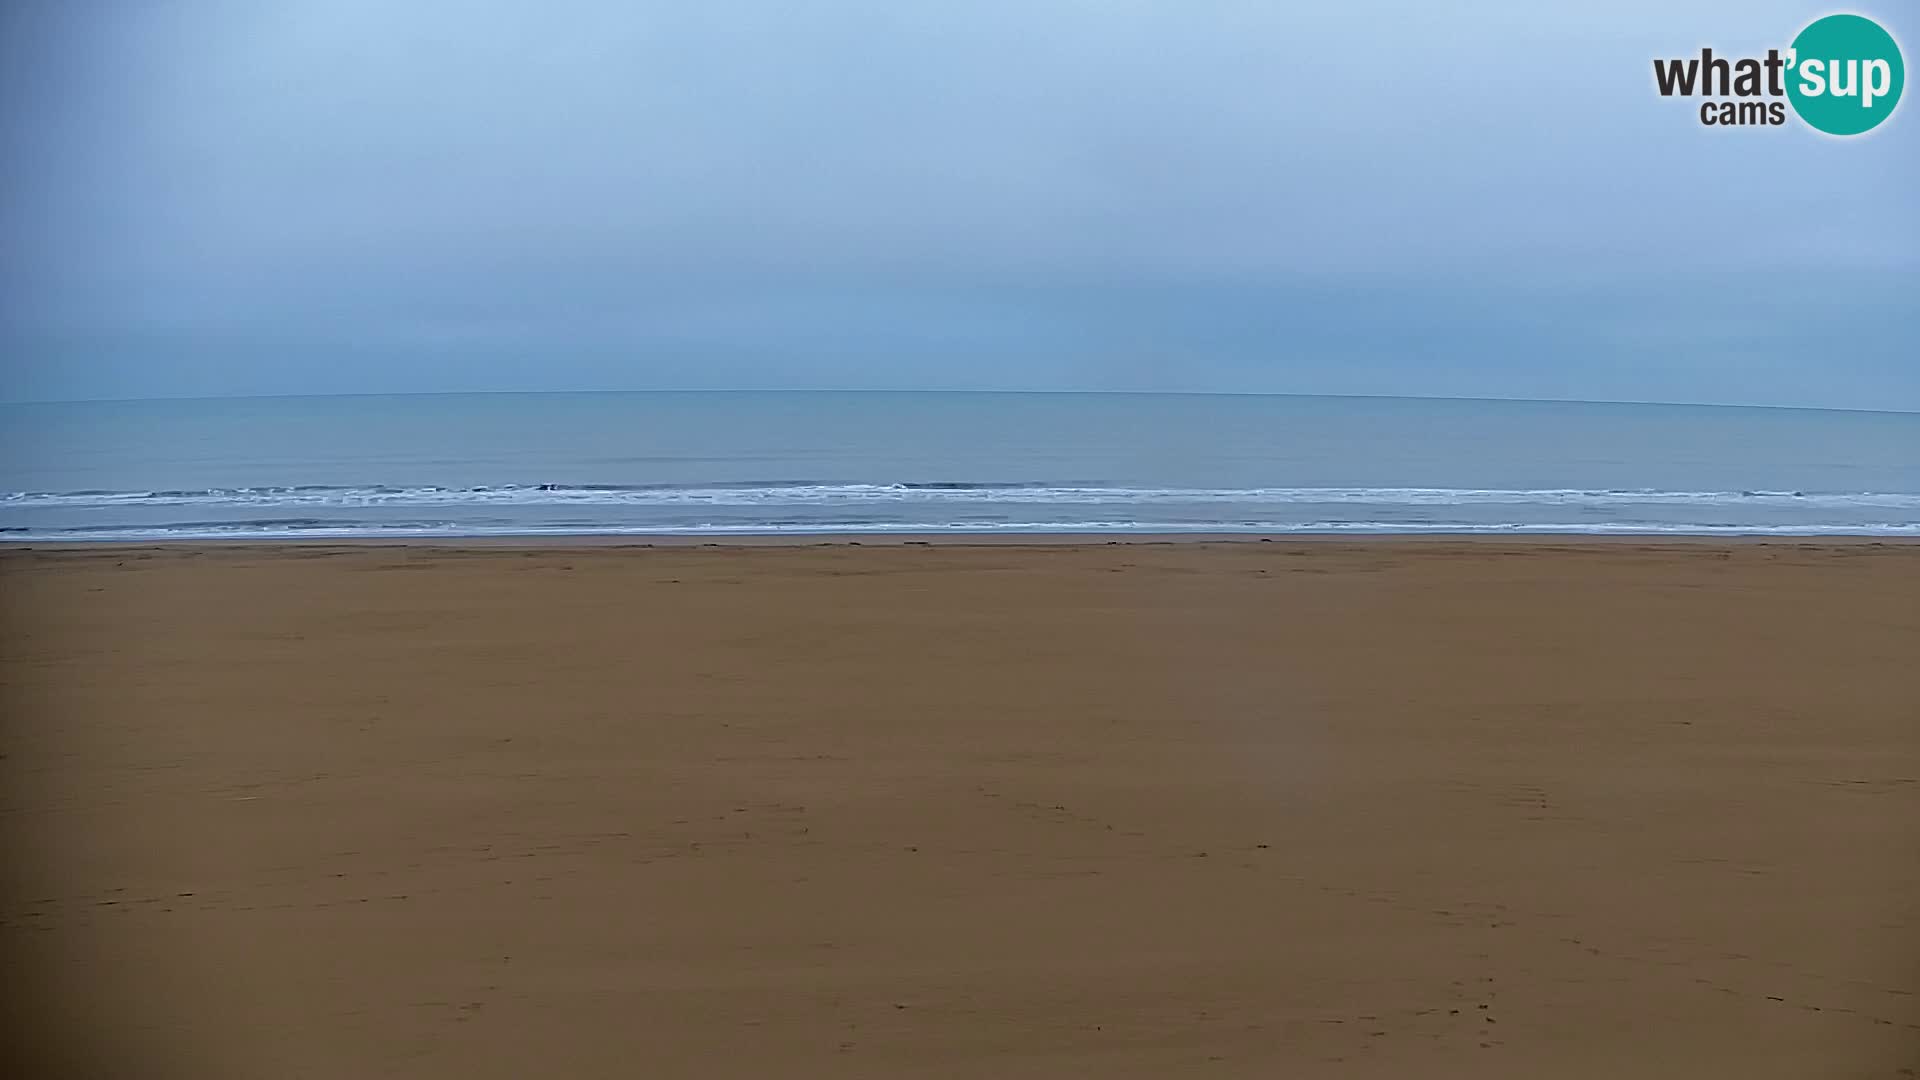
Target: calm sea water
(653, 463)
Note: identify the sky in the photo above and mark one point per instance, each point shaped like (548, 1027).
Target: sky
(213, 197)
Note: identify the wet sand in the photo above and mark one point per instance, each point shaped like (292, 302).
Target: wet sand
(1370, 809)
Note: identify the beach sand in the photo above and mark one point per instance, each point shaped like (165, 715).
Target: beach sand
(1381, 809)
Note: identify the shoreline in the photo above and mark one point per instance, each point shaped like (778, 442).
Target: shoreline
(536, 542)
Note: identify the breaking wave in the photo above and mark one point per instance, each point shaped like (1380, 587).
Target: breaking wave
(938, 506)
(753, 493)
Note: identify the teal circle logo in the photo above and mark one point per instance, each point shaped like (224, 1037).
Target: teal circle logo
(1845, 74)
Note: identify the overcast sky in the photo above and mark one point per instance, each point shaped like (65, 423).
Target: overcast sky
(337, 196)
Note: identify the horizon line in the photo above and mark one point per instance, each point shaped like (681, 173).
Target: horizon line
(946, 390)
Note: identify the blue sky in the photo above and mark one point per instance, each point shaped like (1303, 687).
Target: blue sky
(342, 196)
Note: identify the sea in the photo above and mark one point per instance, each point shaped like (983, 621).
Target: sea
(772, 463)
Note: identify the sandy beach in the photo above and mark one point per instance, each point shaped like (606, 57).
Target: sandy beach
(1344, 809)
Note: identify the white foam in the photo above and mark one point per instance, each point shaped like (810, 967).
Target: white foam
(882, 494)
(362, 531)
